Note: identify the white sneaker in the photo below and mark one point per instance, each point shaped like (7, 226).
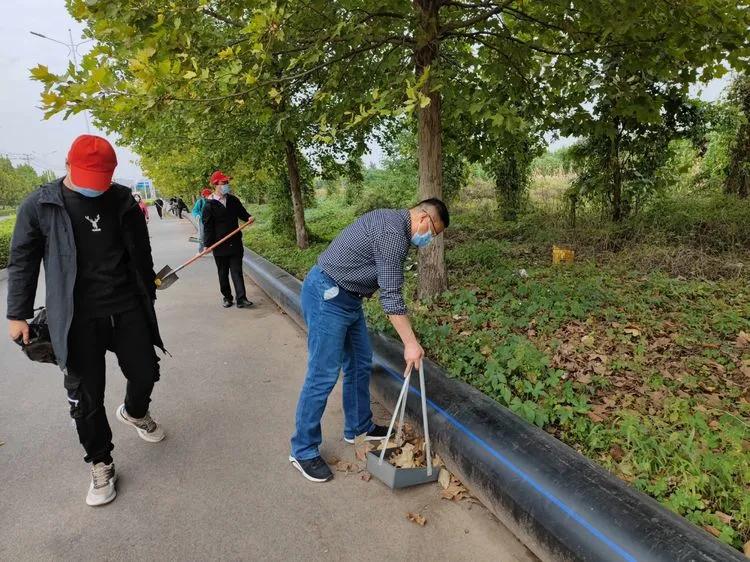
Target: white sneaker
(147, 428)
(102, 489)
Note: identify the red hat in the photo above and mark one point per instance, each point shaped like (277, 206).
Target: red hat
(219, 176)
(206, 192)
(92, 162)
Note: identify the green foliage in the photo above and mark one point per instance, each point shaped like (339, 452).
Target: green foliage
(6, 232)
(552, 346)
(738, 169)
(552, 163)
(392, 186)
(16, 182)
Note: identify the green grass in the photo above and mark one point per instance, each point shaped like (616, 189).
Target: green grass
(639, 369)
(6, 231)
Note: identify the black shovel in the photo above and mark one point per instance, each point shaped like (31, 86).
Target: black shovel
(167, 276)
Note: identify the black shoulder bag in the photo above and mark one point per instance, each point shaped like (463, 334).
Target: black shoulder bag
(39, 348)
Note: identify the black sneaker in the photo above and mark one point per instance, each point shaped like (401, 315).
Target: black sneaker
(226, 303)
(377, 433)
(315, 470)
(244, 303)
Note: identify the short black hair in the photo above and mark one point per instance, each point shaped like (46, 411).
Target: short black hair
(440, 207)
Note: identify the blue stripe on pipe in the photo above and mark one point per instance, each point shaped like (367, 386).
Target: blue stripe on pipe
(578, 518)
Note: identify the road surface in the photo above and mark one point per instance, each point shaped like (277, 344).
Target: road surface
(220, 486)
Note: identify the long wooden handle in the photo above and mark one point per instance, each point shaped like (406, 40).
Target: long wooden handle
(210, 248)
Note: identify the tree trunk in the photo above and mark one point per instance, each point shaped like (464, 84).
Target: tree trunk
(433, 279)
(296, 191)
(614, 162)
(738, 176)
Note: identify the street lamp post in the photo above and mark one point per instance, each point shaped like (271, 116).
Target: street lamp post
(72, 52)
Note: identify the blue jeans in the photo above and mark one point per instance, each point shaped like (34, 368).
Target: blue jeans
(336, 336)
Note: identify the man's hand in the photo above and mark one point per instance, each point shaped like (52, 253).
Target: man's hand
(17, 329)
(413, 352)
(251, 220)
(413, 355)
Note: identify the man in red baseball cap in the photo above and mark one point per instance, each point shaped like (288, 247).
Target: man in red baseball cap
(221, 215)
(100, 292)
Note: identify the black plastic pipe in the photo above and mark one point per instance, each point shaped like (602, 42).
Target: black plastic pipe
(562, 505)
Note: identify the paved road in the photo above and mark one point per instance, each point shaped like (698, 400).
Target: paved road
(219, 486)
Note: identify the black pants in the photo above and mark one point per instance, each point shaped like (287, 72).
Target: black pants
(225, 264)
(128, 335)
(158, 210)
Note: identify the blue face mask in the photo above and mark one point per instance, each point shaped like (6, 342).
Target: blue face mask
(87, 192)
(422, 240)
(225, 189)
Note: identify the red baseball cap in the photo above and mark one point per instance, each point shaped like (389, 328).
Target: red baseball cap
(219, 176)
(206, 192)
(92, 162)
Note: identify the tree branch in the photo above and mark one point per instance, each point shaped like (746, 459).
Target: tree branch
(216, 15)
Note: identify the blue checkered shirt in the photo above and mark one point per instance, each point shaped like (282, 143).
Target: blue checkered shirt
(369, 254)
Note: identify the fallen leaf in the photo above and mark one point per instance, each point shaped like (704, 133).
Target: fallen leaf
(713, 530)
(723, 517)
(745, 368)
(617, 453)
(416, 518)
(743, 340)
(365, 476)
(362, 447)
(405, 458)
(599, 369)
(444, 478)
(437, 461)
(588, 341)
(746, 549)
(455, 490)
(631, 331)
(584, 378)
(345, 466)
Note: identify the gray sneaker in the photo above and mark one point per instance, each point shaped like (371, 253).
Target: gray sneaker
(147, 428)
(102, 489)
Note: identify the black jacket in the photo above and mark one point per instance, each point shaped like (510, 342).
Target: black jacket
(43, 231)
(218, 221)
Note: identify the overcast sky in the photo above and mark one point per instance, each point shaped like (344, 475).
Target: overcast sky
(23, 131)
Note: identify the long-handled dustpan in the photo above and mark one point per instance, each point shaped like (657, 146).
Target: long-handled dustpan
(390, 475)
(167, 276)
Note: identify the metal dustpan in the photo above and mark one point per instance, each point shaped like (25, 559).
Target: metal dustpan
(165, 277)
(390, 475)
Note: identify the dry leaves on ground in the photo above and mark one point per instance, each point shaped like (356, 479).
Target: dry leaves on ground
(362, 447)
(366, 476)
(452, 487)
(746, 549)
(416, 518)
(348, 467)
(743, 339)
(713, 530)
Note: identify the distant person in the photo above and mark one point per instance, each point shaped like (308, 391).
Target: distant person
(141, 205)
(159, 204)
(197, 212)
(181, 207)
(100, 300)
(221, 215)
(367, 256)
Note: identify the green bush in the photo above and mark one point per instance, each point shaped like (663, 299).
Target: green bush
(6, 231)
